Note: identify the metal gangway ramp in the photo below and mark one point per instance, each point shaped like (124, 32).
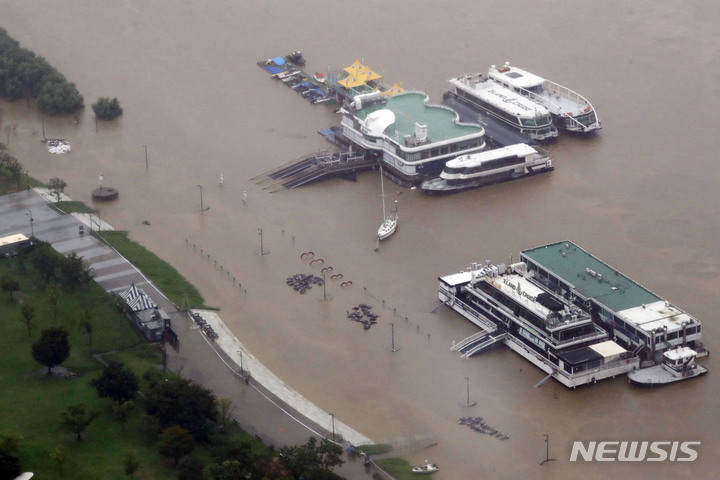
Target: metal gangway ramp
(480, 343)
(312, 167)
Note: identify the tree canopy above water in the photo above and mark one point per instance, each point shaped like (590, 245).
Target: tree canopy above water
(25, 75)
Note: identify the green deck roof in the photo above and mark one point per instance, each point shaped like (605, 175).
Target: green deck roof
(591, 277)
(410, 108)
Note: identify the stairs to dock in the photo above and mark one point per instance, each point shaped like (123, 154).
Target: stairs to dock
(312, 167)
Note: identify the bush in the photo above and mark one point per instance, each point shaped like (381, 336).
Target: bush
(106, 109)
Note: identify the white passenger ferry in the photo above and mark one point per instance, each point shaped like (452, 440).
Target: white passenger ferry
(570, 110)
(507, 106)
(489, 167)
(560, 339)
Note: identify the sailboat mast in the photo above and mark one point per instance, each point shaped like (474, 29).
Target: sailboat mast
(382, 190)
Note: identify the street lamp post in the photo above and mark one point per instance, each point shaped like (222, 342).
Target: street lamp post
(32, 228)
(242, 370)
(332, 416)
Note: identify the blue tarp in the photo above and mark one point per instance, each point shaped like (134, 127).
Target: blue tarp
(279, 61)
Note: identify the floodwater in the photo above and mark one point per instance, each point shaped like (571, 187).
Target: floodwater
(641, 195)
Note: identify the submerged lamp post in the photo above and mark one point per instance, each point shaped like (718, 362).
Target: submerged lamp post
(262, 251)
(392, 336)
(468, 404)
(547, 451)
(202, 208)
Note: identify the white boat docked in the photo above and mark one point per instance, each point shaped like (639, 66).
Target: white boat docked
(390, 220)
(570, 110)
(505, 105)
(678, 364)
(427, 468)
(489, 167)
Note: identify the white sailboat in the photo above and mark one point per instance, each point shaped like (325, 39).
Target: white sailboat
(390, 220)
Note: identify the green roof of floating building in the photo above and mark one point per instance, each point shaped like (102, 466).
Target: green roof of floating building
(411, 108)
(590, 277)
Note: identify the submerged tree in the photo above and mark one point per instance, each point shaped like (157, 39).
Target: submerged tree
(106, 109)
(57, 97)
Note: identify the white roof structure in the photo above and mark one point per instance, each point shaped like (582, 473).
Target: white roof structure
(516, 76)
(378, 121)
(656, 315)
(519, 150)
(608, 349)
(680, 353)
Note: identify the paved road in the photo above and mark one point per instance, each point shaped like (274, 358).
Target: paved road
(278, 419)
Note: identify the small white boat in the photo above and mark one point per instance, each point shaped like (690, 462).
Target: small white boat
(678, 364)
(427, 468)
(390, 220)
(319, 77)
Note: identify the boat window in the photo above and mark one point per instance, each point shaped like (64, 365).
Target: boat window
(528, 122)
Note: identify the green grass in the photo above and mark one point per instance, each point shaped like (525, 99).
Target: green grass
(32, 401)
(397, 467)
(162, 274)
(72, 206)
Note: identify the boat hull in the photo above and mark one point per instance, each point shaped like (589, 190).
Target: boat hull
(659, 376)
(438, 186)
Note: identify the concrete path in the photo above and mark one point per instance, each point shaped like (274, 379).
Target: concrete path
(264, 405)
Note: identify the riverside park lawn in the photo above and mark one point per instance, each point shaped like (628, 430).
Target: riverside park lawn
(31, 402)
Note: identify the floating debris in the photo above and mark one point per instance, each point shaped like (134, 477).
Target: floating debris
(363, 314)
(304, 281)
(477, 424)
(57, 145)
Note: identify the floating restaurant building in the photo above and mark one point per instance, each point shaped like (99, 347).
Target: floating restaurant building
(635, 317)
(410, 138)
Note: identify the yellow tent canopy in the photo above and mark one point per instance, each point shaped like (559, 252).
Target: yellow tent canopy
(394, 90)
(351, 82)
(358, 74)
